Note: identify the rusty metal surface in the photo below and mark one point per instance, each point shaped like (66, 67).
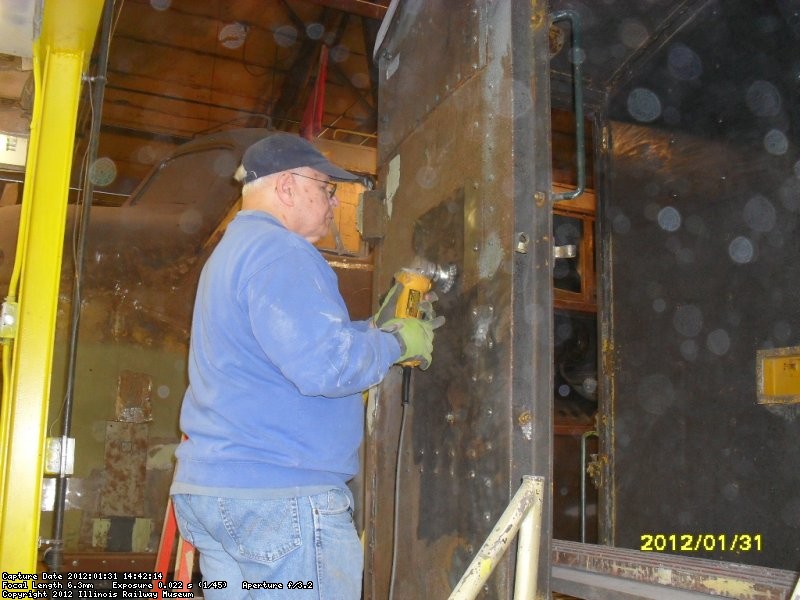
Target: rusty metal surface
(134, 392)
(125, 469)
(446, 156)
(422, 76)
(671, 573)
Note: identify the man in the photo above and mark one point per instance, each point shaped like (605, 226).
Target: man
(274, 413)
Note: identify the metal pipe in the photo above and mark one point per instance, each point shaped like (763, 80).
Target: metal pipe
(55, 555)
(529, 494)
(577, 86)
(585, 435)
(530, 534)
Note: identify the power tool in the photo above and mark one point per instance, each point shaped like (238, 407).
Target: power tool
(415, 282)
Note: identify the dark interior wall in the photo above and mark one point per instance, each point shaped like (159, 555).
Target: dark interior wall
(701, 219)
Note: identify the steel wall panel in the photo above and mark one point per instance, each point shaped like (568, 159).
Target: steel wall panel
(460, 171)
(701, 228)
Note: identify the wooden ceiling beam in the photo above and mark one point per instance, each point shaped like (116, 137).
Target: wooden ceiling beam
(301, 69)
(362, 8)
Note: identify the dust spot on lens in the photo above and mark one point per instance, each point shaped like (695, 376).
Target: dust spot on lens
(731, 491)
(160, 4)
(427, 177)
(689, 350)
(563, 332)
(651, 211)
(577, 56)
(233, 35)
(688, 320)
(315, 30)
(146, 155)
(759, 214)
(360, 81)
(683, 63)
(719, 342)
(775, 142)
(659, 305)
(669, 219)
(633, 33)
(285, 36)
(339, 53)
(621, 224)
(741, 250)
(789, 193)
(763, 99)
(190, 221)
(163, 391)
(103, 171)
(685, 255)
(656, 394)
(563, 390)
(225, 164)
(644, 105)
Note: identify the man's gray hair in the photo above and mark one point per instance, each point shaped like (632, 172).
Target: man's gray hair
(250, 186)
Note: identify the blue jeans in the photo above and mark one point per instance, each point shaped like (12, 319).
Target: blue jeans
(299, 548)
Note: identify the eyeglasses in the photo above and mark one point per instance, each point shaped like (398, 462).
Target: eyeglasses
(330, 187)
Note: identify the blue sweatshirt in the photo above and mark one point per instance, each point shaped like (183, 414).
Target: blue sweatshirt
(276, 368)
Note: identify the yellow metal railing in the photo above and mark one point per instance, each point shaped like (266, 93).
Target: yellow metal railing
(61, 54)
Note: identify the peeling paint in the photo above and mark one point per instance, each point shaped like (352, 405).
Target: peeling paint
(491, 256)
(486, 568)
(392, 183)
(100, 529)
(525, 421)
(160, 457)
(731, 587)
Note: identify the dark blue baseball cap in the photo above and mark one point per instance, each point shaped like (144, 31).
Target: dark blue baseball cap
(282, 151)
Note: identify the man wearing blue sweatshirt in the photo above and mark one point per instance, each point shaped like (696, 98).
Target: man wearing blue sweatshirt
(273, 414)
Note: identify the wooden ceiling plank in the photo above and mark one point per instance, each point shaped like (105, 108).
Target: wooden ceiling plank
(140, 111)
(362, 8)
(233, 102)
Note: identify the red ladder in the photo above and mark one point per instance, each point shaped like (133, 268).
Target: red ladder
(184, 558)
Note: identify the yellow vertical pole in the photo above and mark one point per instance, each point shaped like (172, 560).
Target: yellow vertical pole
(61, 52)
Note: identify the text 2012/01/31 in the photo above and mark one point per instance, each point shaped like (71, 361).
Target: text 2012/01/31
(700, 542)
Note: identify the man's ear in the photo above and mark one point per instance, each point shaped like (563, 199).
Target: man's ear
(285, 188)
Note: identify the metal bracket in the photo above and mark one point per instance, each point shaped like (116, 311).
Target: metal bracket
(371, 215)
(9, 319)
(568, 251)
(59, 456)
